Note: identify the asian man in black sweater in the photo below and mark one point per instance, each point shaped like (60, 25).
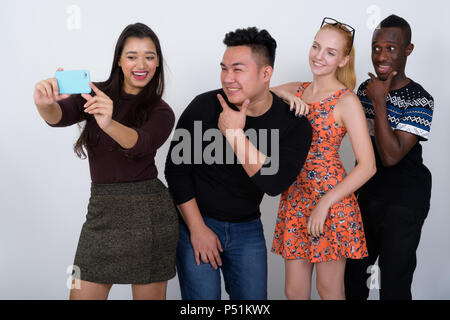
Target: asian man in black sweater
(231, 146)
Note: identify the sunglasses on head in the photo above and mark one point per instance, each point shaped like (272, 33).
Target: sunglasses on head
(340, 25)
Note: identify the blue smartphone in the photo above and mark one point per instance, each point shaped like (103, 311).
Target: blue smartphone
(73, 81)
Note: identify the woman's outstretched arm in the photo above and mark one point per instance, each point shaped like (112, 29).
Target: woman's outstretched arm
(287, 92)
(46, 96)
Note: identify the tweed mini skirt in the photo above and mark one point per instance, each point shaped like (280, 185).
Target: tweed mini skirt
(130, 234)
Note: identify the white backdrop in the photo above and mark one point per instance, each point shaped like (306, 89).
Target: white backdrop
(44, 188)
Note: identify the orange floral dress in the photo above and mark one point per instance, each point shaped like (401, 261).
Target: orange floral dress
(343, 229)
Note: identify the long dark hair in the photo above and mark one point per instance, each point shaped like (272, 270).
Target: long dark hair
(112, 87)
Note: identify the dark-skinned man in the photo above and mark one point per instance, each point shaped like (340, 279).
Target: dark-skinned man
(396, 201)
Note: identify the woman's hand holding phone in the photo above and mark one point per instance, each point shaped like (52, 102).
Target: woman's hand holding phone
(46, 92)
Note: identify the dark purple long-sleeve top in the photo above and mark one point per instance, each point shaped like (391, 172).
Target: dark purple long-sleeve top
(108, 161)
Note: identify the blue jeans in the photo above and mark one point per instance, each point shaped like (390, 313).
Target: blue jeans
(244, 263)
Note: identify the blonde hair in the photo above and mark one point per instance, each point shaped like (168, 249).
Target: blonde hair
(346, 74)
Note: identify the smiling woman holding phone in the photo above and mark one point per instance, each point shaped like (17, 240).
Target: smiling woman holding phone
(131, 229)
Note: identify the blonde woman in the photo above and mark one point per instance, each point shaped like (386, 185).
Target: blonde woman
(319, 223)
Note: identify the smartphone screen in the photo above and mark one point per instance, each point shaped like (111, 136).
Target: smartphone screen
(73, 81)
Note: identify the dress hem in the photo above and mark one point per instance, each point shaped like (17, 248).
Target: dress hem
(318, 260)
